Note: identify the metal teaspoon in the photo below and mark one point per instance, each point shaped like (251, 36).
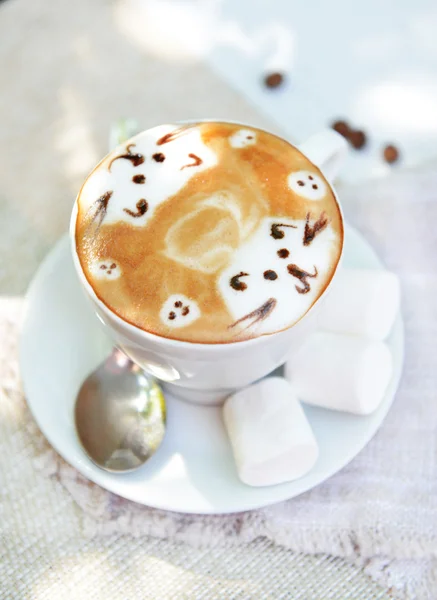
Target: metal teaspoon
(120, 415)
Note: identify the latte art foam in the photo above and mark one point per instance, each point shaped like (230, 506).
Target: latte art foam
(208, 232)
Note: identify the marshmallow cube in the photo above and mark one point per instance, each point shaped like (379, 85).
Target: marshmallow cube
(361, 302)
(341, 372)
(270, 435)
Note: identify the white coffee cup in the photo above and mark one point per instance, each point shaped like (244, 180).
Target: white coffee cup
(209, 373)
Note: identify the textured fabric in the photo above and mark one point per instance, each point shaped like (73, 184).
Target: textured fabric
(50, 548)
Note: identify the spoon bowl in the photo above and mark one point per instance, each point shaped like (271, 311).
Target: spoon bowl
(120, 415)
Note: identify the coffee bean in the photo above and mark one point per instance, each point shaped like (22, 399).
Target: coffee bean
(357, 139)
(342, 128)
(273, 80)
(159, 157)
(283, 253)
(391, 154)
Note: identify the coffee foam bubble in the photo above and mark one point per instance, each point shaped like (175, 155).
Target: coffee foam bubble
(308, 185)
(179, 311)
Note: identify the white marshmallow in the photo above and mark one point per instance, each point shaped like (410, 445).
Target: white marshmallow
(270, 436)
(361, 302)
(341, 372)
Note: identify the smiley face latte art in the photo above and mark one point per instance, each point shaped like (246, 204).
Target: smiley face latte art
(208, 232)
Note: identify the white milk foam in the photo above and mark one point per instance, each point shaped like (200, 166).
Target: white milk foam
(179, 311)
(162, 179)
(243, 138)
(307, 184)
(259, 256)
(106, 269)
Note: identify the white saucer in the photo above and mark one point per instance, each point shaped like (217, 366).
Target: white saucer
(193, 472)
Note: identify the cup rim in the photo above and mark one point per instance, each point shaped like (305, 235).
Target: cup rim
(208, 346)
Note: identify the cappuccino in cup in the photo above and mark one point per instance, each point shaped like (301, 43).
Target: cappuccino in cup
(208, 232)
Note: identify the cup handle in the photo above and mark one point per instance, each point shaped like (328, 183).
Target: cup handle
(327, 150)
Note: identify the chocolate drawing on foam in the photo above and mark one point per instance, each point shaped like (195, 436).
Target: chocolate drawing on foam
(302, 275)
(238, 285)
(197, 161)
(142, 207)
(312, 230)
(169, 137)
(135, 159)
(276, 233)
(139, 179)
(138, 159)
(101, 206)
(259, 314)
(108, 269)
(184, 312)
(270, 275)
